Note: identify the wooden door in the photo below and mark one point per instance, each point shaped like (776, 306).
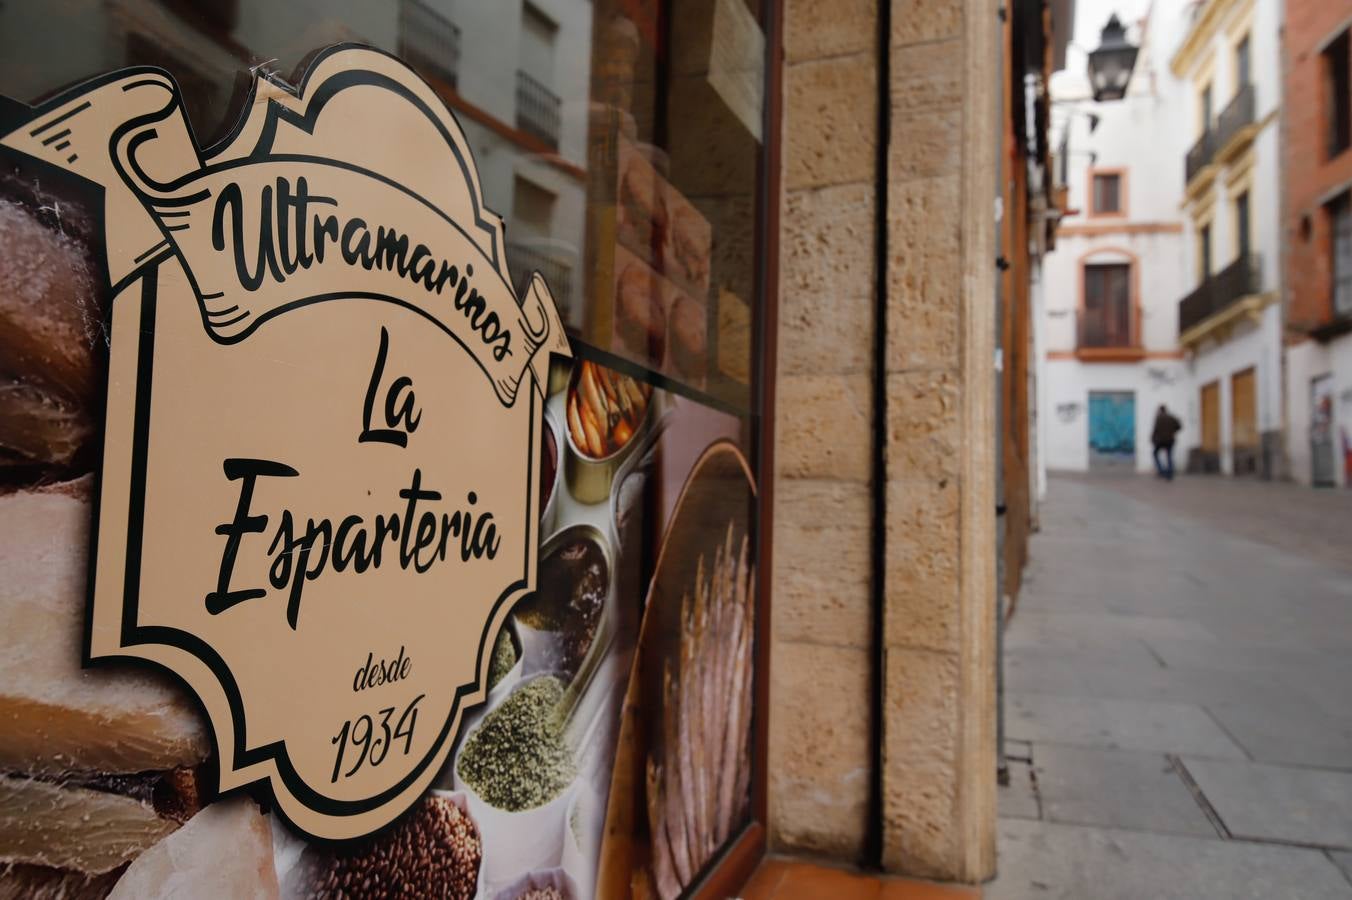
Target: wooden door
(1244, 409)
(1211, 417)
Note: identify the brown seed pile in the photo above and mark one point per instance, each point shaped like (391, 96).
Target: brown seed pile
(434, 852)
(542, 893)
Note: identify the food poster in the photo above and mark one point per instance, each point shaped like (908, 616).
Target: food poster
(608, 750)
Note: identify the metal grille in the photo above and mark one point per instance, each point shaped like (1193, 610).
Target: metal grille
(1238, 280)
(537, 110)
(1199, 155)
(428, 41)
(1237, 114)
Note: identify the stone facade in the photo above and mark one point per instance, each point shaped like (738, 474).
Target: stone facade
(938, 769)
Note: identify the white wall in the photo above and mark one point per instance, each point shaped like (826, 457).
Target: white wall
(1142, 134)
(1069, 383)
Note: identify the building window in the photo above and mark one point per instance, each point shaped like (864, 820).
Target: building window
(1340, 251)
(1242, 224)
(1205, 108)
(1204, 252)
(1338, 95)
(1242, 64)
(1107, 315)
(1107, 194)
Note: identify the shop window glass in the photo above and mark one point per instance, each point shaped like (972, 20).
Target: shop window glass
(624, 144)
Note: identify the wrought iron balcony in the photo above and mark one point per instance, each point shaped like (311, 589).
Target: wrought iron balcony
(1242, 278)
(428, 42)
(1199, 156)
(523, 259)
(1108, 332)
(537, 110)
(1238, 113)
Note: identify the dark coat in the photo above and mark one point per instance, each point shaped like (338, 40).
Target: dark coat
(1166, 428)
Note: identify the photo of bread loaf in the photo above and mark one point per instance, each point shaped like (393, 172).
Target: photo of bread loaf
(96, 766)
(52, 346)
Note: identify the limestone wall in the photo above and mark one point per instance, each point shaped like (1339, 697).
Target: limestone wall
(938, 732)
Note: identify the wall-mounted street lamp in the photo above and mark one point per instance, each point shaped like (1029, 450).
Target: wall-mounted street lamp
(1111, 64)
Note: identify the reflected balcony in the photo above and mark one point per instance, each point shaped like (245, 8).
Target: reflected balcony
(429, 42)
(537, 110)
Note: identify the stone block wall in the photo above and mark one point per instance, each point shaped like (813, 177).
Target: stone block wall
(821, 702)
(938, 731)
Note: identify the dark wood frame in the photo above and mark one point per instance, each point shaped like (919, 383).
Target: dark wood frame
(741, 857)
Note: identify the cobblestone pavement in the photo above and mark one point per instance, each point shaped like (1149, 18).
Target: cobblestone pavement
(1179, 694)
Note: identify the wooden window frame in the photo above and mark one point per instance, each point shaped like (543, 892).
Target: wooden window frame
(1334, 146)
(1135, 349)
(1091, 208)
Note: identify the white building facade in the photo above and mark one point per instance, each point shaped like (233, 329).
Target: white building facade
(1162, 285)
(1111, 287)
(1228, 70)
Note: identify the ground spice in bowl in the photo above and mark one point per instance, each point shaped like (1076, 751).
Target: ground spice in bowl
(517, 758)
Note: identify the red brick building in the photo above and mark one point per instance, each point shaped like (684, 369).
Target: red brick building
(1317, 236)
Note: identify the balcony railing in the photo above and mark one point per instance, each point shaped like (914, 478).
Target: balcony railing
(1109, 332)
(1199, 156)
(537, 110)
(428, 42)
(523, 259)
(1240, 279)
(1237, 114)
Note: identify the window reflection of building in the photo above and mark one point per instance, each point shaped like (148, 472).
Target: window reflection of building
(428, 41)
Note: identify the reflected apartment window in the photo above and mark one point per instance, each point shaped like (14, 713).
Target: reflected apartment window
(537, 106)
(1338, 95)
(429, 42)
(1107, 306)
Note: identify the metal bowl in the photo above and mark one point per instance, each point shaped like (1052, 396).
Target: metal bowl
(589, 477)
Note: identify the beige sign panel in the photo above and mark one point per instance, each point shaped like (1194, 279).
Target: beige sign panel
(318, 497)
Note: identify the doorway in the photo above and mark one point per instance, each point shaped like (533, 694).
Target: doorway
(1112, 429)
(1322, 456)
(1244, 422)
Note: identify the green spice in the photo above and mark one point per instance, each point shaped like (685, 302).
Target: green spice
(517, 759)
(504, 657)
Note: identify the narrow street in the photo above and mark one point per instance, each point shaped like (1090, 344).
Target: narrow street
(1179, 694)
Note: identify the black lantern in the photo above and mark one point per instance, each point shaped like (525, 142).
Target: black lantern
(1111, 64)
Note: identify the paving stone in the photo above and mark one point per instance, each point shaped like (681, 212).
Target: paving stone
(1293, 734)
(1342, 860)
(1134, 789)
(1019, 798)
(1050, 861)
(1116, 724)
(1262, 802)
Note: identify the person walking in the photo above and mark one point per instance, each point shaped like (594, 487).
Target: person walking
(1166, 429)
